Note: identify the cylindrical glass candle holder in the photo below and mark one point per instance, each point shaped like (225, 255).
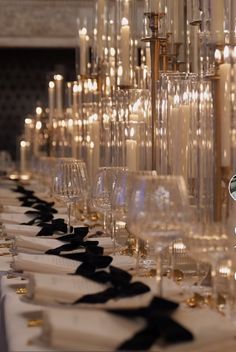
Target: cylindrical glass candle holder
(125, 42)
(185, 136)
(132, 129)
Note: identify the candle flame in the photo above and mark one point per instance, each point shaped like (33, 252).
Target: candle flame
(39, 110)
(38, 125)
(217, 55)
(75, 88)
(226, 52)
(23, 144)
(132, 132)
(51, 84)
(58, 77)
(28, 121)
(124, 21)
(83, 31)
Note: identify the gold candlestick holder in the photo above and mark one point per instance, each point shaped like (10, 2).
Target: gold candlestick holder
(221, 173)
(156, 43)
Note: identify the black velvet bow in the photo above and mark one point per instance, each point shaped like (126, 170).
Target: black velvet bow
(90, 262)
(56, 225)
(23, 190)
(121, 287)
(45, 207)
(159, 325)
(40, 217)
(79, 234)
(89, 246)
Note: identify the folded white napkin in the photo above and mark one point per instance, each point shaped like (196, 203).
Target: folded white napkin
(8, 193)
(41, 263)
(12, 230)
(21, 218)
(54, 289)
(87, 330)
(37, 243)
(15, 209)
(9, 201)
(47, 288)
(43, 244)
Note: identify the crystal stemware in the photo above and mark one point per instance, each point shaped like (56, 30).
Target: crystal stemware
(68, 184)
(102, 192)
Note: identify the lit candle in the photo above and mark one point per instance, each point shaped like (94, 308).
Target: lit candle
(184, 120)
(100, 26)
(51, 93)
(83, 47)
(217, 20)
(59, 92)
(75, 99)
(125, 51)
(131, 154)
(178, 22)
(174, 137)
(224, 73)
(195, 56)
(23, 146)
(176, 38)
(96, 142)
(28, 128)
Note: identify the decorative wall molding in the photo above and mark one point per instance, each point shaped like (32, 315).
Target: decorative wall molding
(41, 23)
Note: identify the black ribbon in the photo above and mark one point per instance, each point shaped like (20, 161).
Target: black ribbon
(159, 325)
(39, 218)
(90, 246)
(90, 262)
(23, 190)
(56, 225)
(79, 234)
(121, 287)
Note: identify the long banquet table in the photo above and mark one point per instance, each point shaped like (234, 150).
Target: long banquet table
(212, 331)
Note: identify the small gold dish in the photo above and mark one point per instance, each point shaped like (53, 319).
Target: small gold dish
(21, 290)
(196, 300)
(32, 323)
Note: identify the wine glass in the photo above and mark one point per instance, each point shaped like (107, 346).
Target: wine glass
(211, 244)
(120, 199)
(158, 212)
(102, 192)
(68, 184)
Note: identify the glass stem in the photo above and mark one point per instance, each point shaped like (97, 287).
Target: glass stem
(69, 217)
(159, 274)
(113, 233)
(106, 223)
(85, 206)
(213, 281)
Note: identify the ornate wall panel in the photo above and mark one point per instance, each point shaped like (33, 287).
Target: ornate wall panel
(43, 23)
